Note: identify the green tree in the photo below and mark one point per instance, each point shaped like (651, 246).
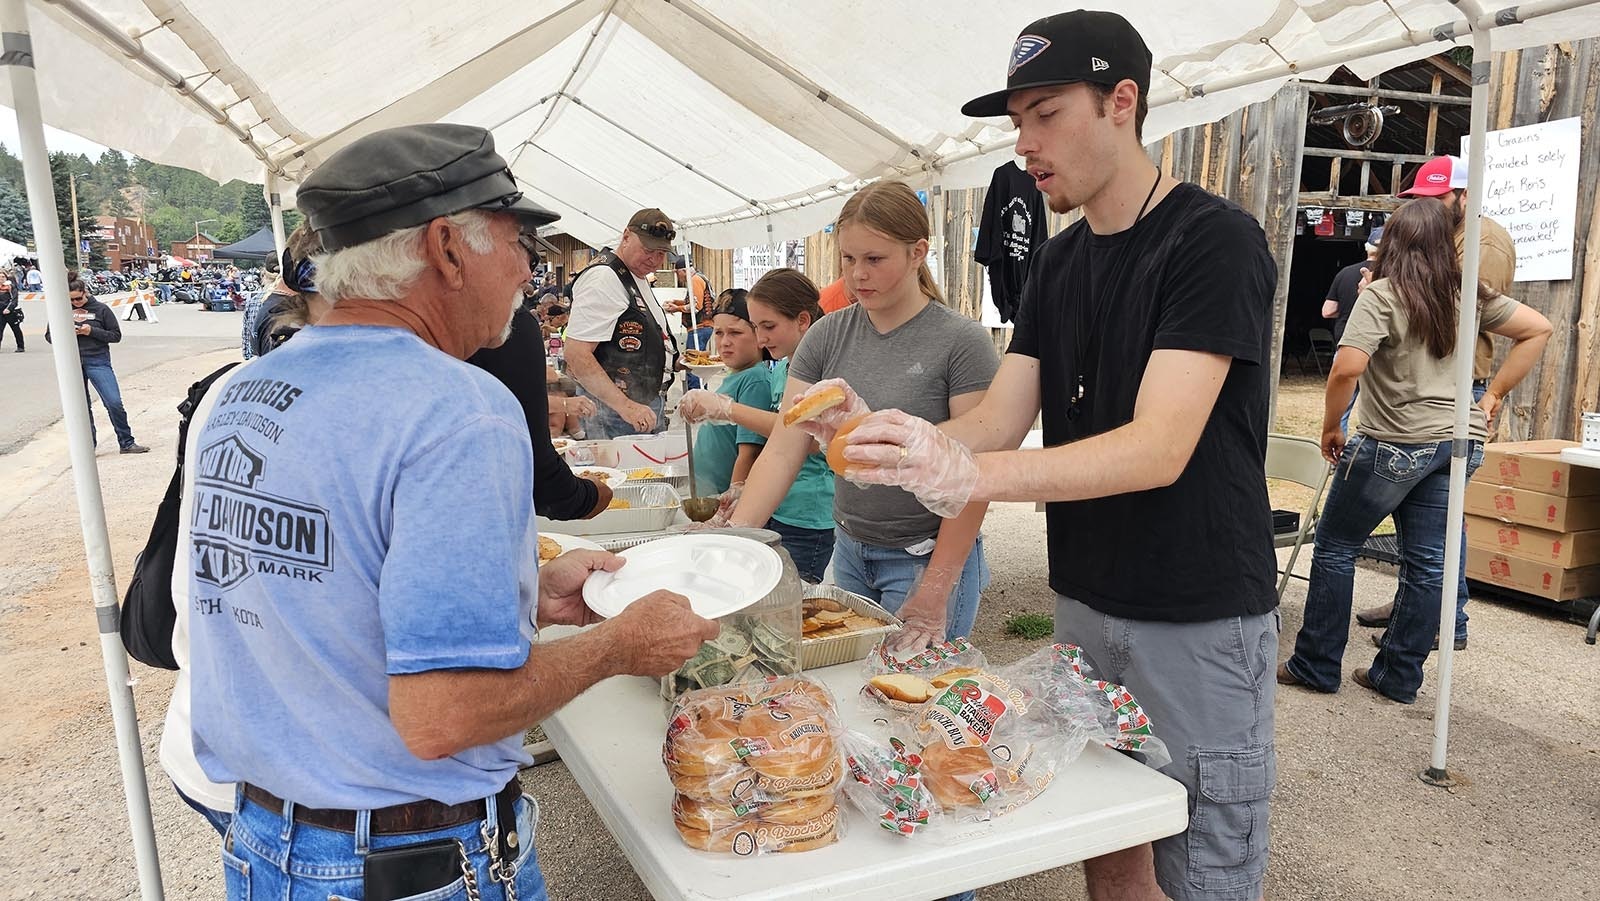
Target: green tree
(15, 225)
(11, 169)
(170, 225)
(62, 167)
(253, 210)
(117, 205)
(229, 230)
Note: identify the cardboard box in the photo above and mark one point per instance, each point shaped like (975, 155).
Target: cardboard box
(1564, 549)
(1537, 466)
(1551, 512)
(1531, 576)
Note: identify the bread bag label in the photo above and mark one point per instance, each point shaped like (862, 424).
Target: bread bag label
(966, 714)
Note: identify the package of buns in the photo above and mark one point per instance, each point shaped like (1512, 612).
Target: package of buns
(903, 685)
(756, 767)
(983, 740)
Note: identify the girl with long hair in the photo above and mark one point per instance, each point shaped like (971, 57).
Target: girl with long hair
(899, 347)
(782, 306)
(1400, 347)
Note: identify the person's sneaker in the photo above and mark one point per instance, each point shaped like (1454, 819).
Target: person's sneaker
(20, 350)
(1375, 617)
(136, 449)
(1461, 643)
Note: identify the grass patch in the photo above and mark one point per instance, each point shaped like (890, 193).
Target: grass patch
(1032, 626)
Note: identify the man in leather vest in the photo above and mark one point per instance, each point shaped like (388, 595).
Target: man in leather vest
(618, 345)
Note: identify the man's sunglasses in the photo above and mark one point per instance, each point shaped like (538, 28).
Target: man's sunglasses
(658, 230)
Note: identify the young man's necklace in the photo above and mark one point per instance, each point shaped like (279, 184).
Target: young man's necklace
(1075, 408)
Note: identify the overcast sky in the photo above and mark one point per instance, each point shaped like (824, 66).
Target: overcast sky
(53, 138)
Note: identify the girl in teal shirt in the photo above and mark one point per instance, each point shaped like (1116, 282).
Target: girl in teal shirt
(781, 306)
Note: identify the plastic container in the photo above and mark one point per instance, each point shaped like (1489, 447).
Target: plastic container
(761, 640)
(1591, 431)
(829, 650)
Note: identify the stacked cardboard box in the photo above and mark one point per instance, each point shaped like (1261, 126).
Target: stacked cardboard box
(1533, 521)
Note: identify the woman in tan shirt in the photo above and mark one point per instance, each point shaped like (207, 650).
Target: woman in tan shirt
(1400, 346)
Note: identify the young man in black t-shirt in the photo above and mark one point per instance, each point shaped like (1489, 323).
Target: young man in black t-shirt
(1144, 337)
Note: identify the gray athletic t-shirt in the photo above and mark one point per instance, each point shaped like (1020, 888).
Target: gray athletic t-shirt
(917, 368)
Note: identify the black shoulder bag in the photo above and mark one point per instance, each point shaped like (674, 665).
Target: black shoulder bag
(148, 616)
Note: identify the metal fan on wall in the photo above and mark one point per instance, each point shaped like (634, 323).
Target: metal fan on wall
(1362, 122)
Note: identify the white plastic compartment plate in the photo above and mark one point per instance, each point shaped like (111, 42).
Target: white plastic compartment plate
(612, 477)
(571, 542)
(719, 574)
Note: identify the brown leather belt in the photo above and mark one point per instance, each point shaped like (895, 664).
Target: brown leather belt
(417, 816)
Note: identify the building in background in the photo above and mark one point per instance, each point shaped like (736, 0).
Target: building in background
(198, 248)
(129, 243)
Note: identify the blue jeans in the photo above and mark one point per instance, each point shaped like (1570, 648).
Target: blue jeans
(605, 423)
(889, 575)
(1374, 479)
(97, 372)
(1344, 421)
(219, 819)
(268, 855)
(810, 549)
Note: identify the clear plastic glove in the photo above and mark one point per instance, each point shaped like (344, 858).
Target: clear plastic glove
(726, 501)
(701, 405)
(923, 613)
(896, 448)
(823, 427)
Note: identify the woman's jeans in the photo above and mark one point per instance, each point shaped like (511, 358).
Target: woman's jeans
(887, 576)
(1374, 479)
(810, 549)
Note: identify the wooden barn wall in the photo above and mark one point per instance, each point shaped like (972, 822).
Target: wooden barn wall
(1539, 85)
(716, 265)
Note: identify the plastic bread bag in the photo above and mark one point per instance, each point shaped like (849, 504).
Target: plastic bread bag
(1105, 712)
(900, 686)
(885, 784)
(756, 767)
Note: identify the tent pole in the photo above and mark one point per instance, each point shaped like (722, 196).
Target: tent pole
(18, 59)
(1466, 343)
(275, 209)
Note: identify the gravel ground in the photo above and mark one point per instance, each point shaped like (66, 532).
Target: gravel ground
(1350, 818)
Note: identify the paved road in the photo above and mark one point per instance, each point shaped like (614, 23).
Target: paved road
(29, 400)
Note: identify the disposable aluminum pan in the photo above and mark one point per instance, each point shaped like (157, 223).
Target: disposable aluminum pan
(654, 507)
(674, 474)
(829, 650)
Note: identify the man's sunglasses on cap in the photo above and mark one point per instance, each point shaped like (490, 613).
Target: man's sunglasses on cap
(659, 230)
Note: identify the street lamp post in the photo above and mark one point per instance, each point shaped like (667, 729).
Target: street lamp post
(197, 224)
(77, 236)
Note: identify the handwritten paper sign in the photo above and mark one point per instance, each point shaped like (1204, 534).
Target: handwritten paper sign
(1531, 188)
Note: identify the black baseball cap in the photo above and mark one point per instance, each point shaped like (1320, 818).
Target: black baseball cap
(1082, 45)
(401, 177)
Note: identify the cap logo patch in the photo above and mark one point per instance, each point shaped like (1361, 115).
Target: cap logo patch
(1096, 64)
(1027, 47)
(1438, 178)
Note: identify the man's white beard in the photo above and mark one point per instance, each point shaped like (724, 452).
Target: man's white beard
(516, 301)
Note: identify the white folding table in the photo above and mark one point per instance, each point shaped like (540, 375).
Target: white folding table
(610, 739)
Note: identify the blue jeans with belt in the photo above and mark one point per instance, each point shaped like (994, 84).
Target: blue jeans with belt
(1374, 479)
(269, 855)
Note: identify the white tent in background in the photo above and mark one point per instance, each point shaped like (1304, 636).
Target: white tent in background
(747, 121)
(10, 250)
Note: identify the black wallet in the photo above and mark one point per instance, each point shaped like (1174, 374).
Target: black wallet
(409, 870)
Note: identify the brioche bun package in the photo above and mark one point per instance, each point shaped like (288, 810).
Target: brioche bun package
(756, 767)
(963, 741)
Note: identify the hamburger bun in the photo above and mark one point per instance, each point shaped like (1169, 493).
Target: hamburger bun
(791, 743)
(949, 773)
(795, 692)
(802, 836)
(707, 816)
(836, 460)
(734, 786)
(903, 687)
(813, 405)
(820, 783)
(741, 841)
(798, 810)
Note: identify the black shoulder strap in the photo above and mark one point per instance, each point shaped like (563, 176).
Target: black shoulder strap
(191, 401)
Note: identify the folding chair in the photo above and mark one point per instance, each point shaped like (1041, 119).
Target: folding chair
(1297, 460)
(1322, 343)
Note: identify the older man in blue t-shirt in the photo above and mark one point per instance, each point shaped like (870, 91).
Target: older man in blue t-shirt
(363, 580)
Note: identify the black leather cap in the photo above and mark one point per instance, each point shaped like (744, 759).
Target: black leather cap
(406, 176)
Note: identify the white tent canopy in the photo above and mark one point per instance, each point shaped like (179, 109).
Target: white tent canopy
(731, 115)
(10, 250)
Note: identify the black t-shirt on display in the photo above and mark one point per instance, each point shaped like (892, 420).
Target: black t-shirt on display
(1345, 289)
(1194, 274)
(1011, 232)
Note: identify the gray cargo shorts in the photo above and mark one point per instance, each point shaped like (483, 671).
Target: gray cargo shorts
(1208, 688)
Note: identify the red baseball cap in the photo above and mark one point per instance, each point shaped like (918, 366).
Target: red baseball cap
(1440, 175)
